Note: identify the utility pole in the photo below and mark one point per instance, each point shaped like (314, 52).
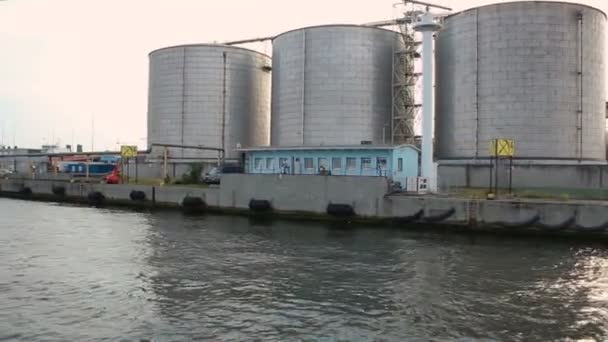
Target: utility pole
(93, 132)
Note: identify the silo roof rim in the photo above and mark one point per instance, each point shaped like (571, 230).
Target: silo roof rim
(533, 1)
(208, 45)
(332, 25)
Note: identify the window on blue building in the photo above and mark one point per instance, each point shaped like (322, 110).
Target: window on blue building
(270, 163)
(284, 165)
(381, 163)
(351, 163)
(366, 163)
(381, 166)
(323, 163)
(336, 163)
(258, 163)
(400, 164)
(308, 164)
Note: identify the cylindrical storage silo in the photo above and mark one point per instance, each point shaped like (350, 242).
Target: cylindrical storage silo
(332, 85)
(209, 95)
(529, 71)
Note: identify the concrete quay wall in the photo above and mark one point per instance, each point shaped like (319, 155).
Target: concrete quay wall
(162, 196)
(523, 176)
(303, 193)
(367, 196)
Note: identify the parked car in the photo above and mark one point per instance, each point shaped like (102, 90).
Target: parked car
(215, 174)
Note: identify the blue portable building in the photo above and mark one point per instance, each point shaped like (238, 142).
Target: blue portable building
(395, 162)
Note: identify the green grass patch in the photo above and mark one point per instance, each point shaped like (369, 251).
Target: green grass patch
(145, 181)
(159, 181)
(560, 194)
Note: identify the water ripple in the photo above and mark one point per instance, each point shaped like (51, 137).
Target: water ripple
(84, 274)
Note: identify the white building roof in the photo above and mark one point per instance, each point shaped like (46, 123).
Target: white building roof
(324, 148)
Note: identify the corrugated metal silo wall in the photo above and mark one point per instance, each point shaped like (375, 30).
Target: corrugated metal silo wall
(186, 101)
(512, 71)
(332, 86)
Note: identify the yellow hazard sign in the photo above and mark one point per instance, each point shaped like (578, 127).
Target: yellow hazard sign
(127, 151)
(502, 148)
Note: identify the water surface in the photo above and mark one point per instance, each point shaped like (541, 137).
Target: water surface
(85, 274)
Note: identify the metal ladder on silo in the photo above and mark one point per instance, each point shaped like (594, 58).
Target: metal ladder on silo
(404, 108)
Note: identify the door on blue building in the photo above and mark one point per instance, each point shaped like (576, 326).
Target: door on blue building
(382, 166)
(399, 174)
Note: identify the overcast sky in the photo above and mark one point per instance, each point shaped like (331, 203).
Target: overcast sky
(67, 63)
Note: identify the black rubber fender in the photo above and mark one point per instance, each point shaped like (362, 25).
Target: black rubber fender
(193, 203)
(58, 190)
(439, 217)
(531, 222)
(25, 191)
(137, 195)
(340, 210)
(554, 227)
(260, 205)
(414, 217)
(96, 198)
(592, 229)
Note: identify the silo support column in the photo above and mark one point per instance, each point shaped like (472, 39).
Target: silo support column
(427, 26)
(427, 110)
